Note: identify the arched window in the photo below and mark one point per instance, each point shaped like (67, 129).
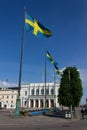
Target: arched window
(42, 91)
(25, 103)
(25, 93)
(32, 92)
(47, 91)
(52, 91)
(37, 92)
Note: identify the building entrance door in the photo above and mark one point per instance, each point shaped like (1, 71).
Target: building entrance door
(36, 103)
(32, 103)
(41, 103)
(52, 103)
(47, 103)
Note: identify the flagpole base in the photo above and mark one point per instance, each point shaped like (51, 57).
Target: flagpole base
(17, 111)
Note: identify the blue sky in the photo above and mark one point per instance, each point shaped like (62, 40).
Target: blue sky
(67, 19)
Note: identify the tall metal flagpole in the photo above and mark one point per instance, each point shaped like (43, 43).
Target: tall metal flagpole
(20, 71)
(45, 81)
(54, 88)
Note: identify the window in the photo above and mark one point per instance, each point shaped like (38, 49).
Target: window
(7, 96)
(25, 93)
(12, 96)
(47, 91)
(25, 103)
(11, 105)
(32, 92)
(37, 92)
(52, 91)
(42, 91)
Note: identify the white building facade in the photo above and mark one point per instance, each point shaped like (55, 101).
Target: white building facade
(39, 95)
(8, 98)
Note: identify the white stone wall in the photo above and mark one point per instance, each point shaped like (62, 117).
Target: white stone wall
(8, 98)
(26, 98)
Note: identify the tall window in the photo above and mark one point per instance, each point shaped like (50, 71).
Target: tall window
(47, 91)
(32, 92)
(7, 96)
(25, 103)
(42, 91)
(25, 93)
(52, 91)
(37, 92)
(12, 96)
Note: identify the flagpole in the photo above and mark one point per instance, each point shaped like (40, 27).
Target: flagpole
(20, 71)
(54, 88)
(21, 57)
(45, 80)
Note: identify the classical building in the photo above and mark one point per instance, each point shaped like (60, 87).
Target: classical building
(33, 95)
(8, 97)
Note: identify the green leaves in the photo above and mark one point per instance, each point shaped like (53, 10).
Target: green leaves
(70, 91)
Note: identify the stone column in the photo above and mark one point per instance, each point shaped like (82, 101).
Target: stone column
(34, 103)
(39, 103)
(29, 103)
(49, 103)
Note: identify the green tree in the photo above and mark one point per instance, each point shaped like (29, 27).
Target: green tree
(70, 91)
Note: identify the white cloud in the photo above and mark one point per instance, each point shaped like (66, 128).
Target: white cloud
(83, 75)
(7, 84)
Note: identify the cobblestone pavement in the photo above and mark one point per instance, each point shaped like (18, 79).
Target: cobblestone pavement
(11, 122)
(6, 118)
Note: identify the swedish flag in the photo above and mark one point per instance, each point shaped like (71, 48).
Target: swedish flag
(57, 70)
(50, 58)
(35, 27)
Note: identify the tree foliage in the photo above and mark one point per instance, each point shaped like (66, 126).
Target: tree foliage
(70, 91)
